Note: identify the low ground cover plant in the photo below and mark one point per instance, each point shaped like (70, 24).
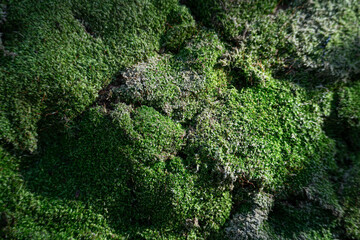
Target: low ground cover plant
(164, 119)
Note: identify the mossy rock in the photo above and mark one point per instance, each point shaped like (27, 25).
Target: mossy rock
(65, 52)
(296, 42)
(126, 167)
(230, 18)
(266, 134)
(350, 192)
(151, 125)
(25, 215)
(177, 85)
(349, 113)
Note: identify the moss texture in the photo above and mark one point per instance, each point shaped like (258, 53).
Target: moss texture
(65, 52)
(161, 119)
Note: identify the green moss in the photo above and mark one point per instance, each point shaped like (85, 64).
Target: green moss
(349, 113)
(230, 18)
(308, 42)
(42, 79)
(132, 29)
(333, 48)
(198, 134)
(350, 192)
(180, 28)
(65, 52)
(300, 220)
(25, 215)
(125, 166)
(266, 133)
(177, 85)
(247, 223)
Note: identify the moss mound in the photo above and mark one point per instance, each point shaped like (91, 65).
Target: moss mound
(161, 119)
(63, 53)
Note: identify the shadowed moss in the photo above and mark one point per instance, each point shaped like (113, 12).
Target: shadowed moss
(349, 113)
(25, 215)
(351, 195)
(197, 134)
(177, 85)
(125, 166)
(230, 18)
(266, 133)
(308, 42)
(65, 52)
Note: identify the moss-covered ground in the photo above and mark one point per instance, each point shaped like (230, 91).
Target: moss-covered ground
(191, 119)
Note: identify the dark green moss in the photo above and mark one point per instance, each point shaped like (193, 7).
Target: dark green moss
(177, 85)
(25, 215)
(65, 52)
(351, 199)
(230, 18)
(349, 113)
(125, 167)
(151, 126)
(266, 133)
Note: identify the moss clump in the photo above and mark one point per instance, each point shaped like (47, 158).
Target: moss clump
(349, 113)
(326, 37)
(65, 52)
(230, 18)
(132, 174)
(297, 43)
(25, 215)
(177, 85)
(135, 29)
(300, 219)
(267, 134)
(351, 199)
(180, 27)
(247, 224)
(152, 126)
